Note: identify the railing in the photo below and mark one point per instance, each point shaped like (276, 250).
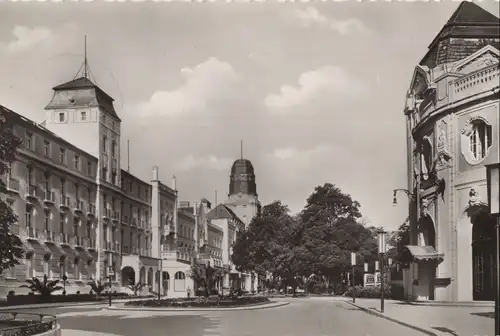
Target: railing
(13, 184)
(125, 219)
(107, 213)
(24, 324)
(134, 221)
(476, 82)
(63, 238)
(49, 235)
(91, 209)
(79, 205)
(31, 232)
(77, 241)
(65, 201)
(49, 196)
(31, 190)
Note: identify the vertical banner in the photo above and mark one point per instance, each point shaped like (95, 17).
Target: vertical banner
(353, 259)
(366, 267)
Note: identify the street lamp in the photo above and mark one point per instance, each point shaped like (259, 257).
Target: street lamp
(353, 264)
(381, 251)
(493, 187)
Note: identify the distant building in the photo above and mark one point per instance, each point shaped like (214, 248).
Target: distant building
(452, 117)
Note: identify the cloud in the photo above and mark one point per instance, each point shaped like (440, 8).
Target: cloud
(208, 81)
(191, 162)
(294, 161)
(327, 81)
(27, 38)
(310, 16)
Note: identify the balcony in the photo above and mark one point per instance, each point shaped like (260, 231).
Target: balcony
(116, 247)
(91, 210)
(49, 198)
(31, 192)
(13, 185)
(31, 233)
(88, 243)
(115, 215)
(77, 241)
(64, 239)
(79, 206)
(107, 214)
(143, 224)
(108, 246)
(65, 202)
(125, 219)
(48, 236)
(133, 221)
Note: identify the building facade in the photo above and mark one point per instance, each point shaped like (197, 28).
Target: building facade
(452, 117)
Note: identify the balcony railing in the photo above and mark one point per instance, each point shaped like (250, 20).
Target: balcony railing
(116, 215)
(48, 236)
(31, 233)
(76, 241)
(13, 185)
(125, 219)
(49, 197)
(107, 214)
(65, 201)
(31, 191)
(79, 206)
(91, 210)
(88, 243)
(64, 238)
(134, 221)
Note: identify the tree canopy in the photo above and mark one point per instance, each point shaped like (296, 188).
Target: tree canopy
(319, 240)
(10, 245)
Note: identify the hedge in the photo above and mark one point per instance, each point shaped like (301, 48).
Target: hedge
(370, 292)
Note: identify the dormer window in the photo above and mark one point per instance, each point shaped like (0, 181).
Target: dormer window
(62, 155)
(46, 148)
(77, 161)
(62, 117)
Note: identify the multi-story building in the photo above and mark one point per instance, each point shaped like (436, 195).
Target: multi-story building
(453, 119)
(82, 216)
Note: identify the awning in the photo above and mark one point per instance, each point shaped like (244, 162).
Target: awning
(70, 252)
(424, 253)
(83, 253)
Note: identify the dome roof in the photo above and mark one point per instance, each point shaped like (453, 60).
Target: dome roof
(242, 178)
(242, 166)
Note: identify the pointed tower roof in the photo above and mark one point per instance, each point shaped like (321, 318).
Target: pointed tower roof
(468, 21)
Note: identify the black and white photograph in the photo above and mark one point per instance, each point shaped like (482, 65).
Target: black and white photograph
(249, 168)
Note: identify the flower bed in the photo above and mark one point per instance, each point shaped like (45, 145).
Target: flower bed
(13, 323)
(199, 302)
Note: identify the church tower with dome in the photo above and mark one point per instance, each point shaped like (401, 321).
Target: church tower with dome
(243, 199)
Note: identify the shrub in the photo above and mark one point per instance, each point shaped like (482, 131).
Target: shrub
(369, 292)
(200, 302)
(397, 292)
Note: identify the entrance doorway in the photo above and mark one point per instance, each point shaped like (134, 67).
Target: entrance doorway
(483, 257)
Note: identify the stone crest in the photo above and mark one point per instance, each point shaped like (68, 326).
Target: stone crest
(483, 61)
(474, 199)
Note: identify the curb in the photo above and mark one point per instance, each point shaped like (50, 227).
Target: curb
(62, 304)
(380, 315)
(255, 307)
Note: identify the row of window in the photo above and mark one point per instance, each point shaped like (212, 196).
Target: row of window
(29, 143)
(186, 232)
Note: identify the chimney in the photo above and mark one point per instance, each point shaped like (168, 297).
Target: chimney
(174, 182)
(155, 173)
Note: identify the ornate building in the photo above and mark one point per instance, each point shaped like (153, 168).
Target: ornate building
(452, 117)
(80, 214)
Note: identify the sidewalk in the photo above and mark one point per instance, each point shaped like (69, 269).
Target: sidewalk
(434, 320)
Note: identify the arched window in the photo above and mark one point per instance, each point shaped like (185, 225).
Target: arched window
(479, 139)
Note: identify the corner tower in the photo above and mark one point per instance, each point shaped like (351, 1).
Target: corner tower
(83, 114)
(243, 198)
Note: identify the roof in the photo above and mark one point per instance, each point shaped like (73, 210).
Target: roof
(468, 21)
(242, 166)
(101, 98)
(222, 211)
(20, 118)
(424, 253)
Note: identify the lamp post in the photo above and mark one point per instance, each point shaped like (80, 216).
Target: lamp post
(381, 251)
(111, 273)
(353, 264)
(160, 278)
(493, 187)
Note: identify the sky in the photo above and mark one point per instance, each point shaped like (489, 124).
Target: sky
(315, 90)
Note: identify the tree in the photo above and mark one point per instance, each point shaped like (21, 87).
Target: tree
(204, 275)
(97, 287)
(399, 240)
(11, 247)
(45, 288)
(330, 230)
(135, 287)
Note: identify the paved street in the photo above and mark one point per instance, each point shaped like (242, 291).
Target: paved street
(302, 317)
